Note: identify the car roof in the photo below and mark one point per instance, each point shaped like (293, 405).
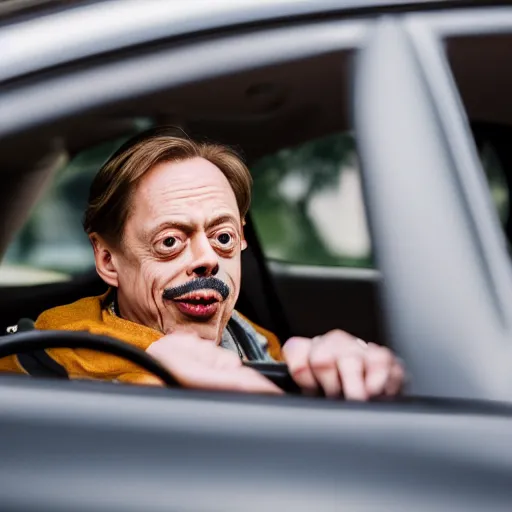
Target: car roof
(45, 33)
(16, 7)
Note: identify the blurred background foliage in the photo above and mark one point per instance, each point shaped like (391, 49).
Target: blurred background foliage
(285, 185)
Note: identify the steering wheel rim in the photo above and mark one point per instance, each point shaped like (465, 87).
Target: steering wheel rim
(25, 342)
(278, 373)
(30, 341)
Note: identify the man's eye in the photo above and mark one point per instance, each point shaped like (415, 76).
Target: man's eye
(169, 242)
(224, 238)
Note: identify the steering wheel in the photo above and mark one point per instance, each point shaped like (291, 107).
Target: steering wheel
(31, 341)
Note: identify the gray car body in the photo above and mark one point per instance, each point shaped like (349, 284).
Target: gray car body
(95, 446)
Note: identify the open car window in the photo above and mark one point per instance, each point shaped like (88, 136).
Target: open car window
(307, 207)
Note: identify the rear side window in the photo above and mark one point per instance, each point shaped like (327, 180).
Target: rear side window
(52, 245)
(479, 65)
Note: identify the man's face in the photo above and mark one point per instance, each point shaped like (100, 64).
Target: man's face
(184, 224)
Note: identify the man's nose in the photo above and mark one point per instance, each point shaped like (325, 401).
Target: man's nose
(205, 261)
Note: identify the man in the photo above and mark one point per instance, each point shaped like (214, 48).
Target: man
(165, 219)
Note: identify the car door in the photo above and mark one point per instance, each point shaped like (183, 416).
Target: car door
(447, 282)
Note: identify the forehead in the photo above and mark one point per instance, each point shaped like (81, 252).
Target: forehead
(189, 188)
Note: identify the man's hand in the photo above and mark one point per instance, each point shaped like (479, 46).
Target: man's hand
(339, 364)
(336, 362)
(201, 364)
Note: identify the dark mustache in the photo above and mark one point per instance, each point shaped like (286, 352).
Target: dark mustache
(201, 283)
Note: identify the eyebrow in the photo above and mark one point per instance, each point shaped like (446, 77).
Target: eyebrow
(221, 220)
(182, 226)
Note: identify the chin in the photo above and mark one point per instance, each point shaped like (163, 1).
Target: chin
(205, 326)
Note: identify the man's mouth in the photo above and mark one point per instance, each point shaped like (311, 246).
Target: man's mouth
(200, 304)
(198, 299)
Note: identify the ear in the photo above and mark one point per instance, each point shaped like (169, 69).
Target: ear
(244, 241)
(105, 264)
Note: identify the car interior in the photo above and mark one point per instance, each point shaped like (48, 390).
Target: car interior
(259, 112)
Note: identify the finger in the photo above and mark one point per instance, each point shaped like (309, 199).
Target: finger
(363, 344)
(296, 352)
(351, 371)
(376, 380)
(396, 380)
(378, 364)
(344, 343)
(325, 369)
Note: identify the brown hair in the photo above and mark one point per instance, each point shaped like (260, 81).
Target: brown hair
(112, 188)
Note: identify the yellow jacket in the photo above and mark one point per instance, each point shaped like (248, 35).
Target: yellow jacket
(90, 315)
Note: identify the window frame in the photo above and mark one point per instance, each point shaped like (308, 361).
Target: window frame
(428, 33)
(61, 93)
(456, 307)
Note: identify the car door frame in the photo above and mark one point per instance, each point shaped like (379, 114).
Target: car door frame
(447, 281)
